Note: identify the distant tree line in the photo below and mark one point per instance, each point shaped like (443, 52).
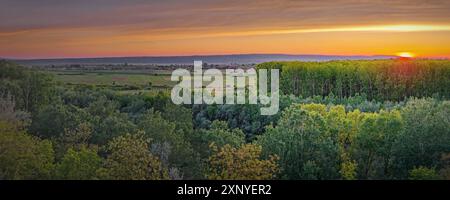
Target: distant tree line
(378, 79)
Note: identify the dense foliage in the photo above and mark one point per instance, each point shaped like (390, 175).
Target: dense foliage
(378, 79)
(338, 126)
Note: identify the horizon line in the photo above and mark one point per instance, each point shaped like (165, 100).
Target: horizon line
(203, 55)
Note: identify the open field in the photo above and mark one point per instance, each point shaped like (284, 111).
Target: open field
(113, 78)
(130, 81)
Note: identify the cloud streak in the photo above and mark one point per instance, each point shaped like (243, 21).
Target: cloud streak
(143, 27)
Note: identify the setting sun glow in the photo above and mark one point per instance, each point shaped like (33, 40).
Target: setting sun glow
(406, 55)
(202, 27)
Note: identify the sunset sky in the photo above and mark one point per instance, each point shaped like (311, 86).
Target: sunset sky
(104, 28)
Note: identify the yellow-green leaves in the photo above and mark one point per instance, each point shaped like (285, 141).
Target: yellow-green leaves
(241, 163)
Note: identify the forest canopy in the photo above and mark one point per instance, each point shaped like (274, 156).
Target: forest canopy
(344, 120)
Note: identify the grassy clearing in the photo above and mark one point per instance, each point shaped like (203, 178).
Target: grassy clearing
(102, 78)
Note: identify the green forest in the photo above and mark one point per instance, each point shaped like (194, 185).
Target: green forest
(338, 120)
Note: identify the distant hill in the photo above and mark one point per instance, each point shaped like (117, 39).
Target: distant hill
(211, 59)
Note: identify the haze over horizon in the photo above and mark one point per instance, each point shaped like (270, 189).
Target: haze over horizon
(114, 28)
(197, 55)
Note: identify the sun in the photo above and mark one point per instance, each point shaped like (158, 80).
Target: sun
(406, 55)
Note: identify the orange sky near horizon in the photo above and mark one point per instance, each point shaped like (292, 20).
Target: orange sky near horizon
(145, 29)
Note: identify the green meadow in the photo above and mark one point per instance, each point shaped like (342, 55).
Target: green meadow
(113, 78)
